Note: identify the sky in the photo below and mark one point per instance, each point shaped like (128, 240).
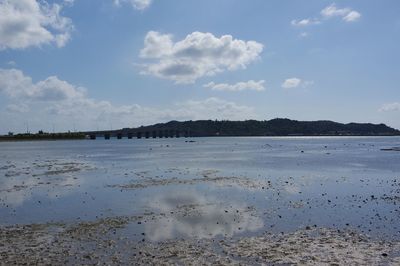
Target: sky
(108, 64)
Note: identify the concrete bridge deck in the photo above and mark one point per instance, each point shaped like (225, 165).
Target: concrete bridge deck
(165, 133)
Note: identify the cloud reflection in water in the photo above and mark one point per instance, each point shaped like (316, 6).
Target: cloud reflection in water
(190, 215)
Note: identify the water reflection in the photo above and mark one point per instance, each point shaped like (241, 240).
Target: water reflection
(15, 192)
(51, 178)
(191, 215)
(351, 185)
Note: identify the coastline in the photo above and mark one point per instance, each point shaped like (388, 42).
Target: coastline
(87, 137)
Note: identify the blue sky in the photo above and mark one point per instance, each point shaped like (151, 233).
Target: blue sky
(100, 64)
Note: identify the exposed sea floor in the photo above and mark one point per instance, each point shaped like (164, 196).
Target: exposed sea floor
(228, 201)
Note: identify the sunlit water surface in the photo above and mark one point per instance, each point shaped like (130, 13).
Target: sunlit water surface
(211, 187)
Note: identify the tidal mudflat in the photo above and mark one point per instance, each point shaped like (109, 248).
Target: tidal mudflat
(239, 201)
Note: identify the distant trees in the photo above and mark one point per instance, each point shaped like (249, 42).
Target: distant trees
(41, 135)
(274, 127)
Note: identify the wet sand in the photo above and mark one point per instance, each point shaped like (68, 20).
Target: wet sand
(104, 242)
(149, 208)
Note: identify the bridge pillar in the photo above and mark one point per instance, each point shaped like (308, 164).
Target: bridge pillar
(107, 136)
(139, 135)
(119, 136)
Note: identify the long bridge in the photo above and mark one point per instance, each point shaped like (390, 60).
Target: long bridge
(139, 134)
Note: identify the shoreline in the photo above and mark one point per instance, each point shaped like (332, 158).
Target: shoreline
(11, 139)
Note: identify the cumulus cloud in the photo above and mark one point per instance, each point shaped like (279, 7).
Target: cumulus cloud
(16, 85)
(26, 23)
(291, 83)
(65, 104)
(240, 86)
(347, 14)
(198, 55)
(137, 4)
(390, 107)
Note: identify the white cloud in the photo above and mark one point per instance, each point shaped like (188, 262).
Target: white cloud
(332, 11)
(26, 23)
(198, 55)
(137, 4)
(157, 45)
(16, 85)
(347, 14)
(240, 86)
(291, 83)
(305, 22)
(390, 107)
(352, 16)
(296, 82)
(56, 101)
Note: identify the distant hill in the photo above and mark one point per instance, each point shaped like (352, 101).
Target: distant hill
(274, 127)
(209, 128)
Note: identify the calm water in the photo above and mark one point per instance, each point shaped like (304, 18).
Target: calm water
(212, 187)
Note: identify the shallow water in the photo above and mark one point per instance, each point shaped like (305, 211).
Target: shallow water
(209, 188)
